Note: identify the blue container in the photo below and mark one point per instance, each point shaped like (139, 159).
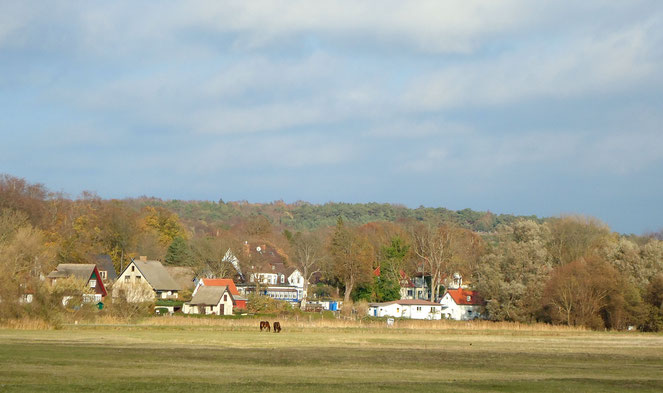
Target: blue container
(333, 306)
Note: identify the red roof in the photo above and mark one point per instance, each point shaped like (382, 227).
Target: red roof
(220, 282)
(465, 297)
(377, 272)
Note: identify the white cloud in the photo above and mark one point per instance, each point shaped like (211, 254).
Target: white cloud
(617, 61)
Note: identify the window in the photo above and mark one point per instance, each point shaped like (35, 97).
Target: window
(469, 298)
(93, 283)
(225, 298)
(127, 278)
(419, 308)
(133, 268)
(138, 278)
(282, 278)
(103, 274)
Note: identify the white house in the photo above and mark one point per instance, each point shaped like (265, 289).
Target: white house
(461, 304)
(406, 308)
(147, 274)
(210, 300)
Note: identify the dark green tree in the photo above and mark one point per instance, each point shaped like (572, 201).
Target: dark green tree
(178, 252)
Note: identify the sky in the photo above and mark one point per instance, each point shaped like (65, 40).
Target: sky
(513, 106)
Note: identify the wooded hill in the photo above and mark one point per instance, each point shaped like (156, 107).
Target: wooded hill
(305, 216)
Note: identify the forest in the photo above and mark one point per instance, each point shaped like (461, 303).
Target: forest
(570, 270)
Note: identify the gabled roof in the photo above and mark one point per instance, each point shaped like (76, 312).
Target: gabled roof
(406, 302)
(461, 296)
(217, 282)
(82, 271)
(209, 295)
(104, 262)
(157, 275)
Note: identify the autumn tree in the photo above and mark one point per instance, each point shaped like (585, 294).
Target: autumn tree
(586, 292)
(574, 237)
(164, 222)
(512, 274)
(352, 257)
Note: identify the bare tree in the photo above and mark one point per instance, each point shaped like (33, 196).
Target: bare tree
(433, 245)
(309, 255)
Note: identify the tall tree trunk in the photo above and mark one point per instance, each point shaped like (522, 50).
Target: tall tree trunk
(348, 290)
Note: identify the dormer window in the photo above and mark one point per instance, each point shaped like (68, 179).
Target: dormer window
(469, 298)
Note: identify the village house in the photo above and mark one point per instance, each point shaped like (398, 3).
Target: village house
(141, 274)
(239, 301)
(269, 273)
(408, 308)
(88, 273)
(210, 300)
(461, 304)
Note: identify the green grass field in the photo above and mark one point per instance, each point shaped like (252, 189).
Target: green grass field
(201, 359)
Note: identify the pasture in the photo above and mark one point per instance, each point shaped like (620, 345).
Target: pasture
(168, 356)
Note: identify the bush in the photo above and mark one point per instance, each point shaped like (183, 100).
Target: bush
(265, 304)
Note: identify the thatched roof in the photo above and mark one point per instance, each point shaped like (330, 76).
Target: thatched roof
(206, 296)
(82, 271)
(157, 276)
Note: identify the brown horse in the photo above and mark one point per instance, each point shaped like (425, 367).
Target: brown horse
(264, 325)
(277, 327)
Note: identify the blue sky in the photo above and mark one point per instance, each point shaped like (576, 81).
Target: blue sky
(546, 107)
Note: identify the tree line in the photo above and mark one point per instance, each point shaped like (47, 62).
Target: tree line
(566, 270)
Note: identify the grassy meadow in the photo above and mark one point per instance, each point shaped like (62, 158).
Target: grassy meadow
(180, 354)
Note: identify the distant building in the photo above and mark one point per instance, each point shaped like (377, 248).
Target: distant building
(239, 301)
(86, 272)
(210, 300)
(106, 268)
(407, 308)
(461, 304)
(141, 274)
(268, 271)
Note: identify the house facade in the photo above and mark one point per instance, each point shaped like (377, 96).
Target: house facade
(408, 308)
(461, 304)
(146, 280)
(210, 300)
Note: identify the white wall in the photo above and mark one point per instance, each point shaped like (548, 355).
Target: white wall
(406, 311)
(452, 310)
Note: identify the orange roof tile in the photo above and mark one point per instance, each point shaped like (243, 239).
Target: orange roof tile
(461, 296)
(220, 282)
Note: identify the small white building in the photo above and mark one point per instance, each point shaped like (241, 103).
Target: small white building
(461, 304)
(406, 308)
(210, 300)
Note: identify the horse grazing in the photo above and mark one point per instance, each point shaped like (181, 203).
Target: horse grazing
(264, 325)
(277, 327)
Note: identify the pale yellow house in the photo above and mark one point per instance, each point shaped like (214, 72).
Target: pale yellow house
(144, 280)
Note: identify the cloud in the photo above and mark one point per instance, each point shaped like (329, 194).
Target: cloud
(591, 65)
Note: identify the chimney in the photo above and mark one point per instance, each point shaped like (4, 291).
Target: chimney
(143, 258)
